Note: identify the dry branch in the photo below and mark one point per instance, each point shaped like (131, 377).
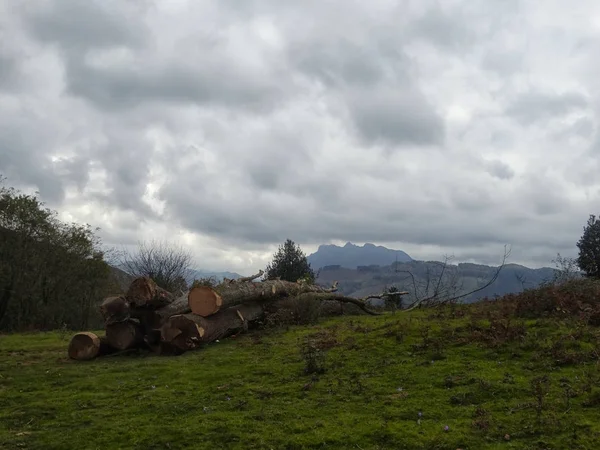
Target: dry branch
(360, 302)
(438, 299)
(243, 279)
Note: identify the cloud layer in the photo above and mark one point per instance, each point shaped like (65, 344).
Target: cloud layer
(435, 127)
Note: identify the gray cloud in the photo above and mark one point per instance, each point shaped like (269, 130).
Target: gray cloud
(395, 117)
(536, 106)
(438, 129)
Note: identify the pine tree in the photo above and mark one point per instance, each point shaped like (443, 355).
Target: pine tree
(290, 264)
(589, 248)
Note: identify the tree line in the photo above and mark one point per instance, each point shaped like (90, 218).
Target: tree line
(54, 274)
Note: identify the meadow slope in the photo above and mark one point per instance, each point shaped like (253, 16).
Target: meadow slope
(468, 377)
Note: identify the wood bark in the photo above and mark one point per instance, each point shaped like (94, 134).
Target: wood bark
(125, 335)
(188, 331)
(115, 309)
(206, 301)
(86, 345)
(143, 292)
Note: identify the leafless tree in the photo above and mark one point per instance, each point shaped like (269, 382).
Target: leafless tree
(166, 263)
(566, 270)
(442, 284)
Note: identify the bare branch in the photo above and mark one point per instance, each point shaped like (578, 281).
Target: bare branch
(167, 264)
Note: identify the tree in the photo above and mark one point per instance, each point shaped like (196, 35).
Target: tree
(566, 270)
(589, 248)
(166, 263)
(441, 283)
(52, 274)
(290, 264)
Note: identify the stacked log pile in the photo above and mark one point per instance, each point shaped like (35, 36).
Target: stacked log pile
(147, 316)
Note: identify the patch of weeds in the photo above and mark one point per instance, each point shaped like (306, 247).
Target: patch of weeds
(508, 378)
(482, 419)
(568, 392)
(540, 387)
(313, 355)
(593, 399)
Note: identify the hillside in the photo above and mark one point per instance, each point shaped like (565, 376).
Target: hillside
(352, 256)
(368, 280)
(514, 373)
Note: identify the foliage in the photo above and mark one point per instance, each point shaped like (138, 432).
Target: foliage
(495, 379)
(52, 274)
(166, 263)
(589, 248)
(566, 269)
(574, 298)
(206, 281)
(393, 302)
(290, 264)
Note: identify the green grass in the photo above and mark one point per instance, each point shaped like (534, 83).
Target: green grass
(479, 374)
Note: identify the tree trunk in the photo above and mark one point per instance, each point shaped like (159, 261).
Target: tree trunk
(145, 293)
(188, 331)
(206, 301)
(178, 306)
(125, 335)
(85, 346)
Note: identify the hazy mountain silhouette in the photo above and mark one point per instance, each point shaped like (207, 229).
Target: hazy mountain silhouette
(352, 256)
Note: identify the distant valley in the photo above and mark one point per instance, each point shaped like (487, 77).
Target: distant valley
(369, 269)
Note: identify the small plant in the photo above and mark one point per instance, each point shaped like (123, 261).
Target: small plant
(568, 392)
(540, 387)
(313, 356)
(64, 332)
(481, 418)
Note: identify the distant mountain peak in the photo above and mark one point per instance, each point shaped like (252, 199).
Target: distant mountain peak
(352, 256)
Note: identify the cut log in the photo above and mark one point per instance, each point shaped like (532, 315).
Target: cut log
(125, 335)
(188, 331)
(115, 309)
(86, 345)
(178, 306)
(143, 292)
(206, 301)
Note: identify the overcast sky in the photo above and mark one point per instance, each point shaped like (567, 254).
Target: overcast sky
(435, 127)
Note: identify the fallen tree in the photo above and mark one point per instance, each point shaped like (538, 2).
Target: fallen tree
(206, 300)
(147, 316)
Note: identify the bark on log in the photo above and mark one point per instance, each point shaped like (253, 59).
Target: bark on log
(86, 345)
(188, 331)
(125, 335)
(143, 292)
(115, 309)
(206, 301)
(155, 319)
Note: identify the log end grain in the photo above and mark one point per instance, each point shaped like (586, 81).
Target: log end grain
(204, 301)
(84, 346)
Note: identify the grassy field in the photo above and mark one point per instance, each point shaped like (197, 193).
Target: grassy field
(468, 377)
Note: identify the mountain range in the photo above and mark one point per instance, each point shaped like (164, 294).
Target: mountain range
(370, 269)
